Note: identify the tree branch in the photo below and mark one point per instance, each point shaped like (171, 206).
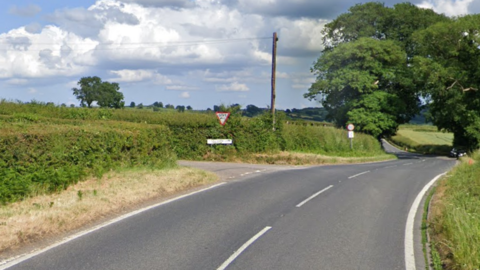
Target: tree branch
(461, 86)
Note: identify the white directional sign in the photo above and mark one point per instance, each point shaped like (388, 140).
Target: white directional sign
(350, 134)
(222, 117)
(219, 141)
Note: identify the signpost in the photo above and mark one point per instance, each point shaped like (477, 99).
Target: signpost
(350, 128)
(219, 141)
(222, 117)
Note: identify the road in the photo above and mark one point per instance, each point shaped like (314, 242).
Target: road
(322, 217)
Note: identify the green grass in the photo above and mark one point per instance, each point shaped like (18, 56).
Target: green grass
(457, 230)
(423, 139)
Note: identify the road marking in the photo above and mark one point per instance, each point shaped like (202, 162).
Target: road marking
(314, 195)
(393, 166)
(242, 248)
(407, 164)
(353, 176)
(409, 243)
(21, 258)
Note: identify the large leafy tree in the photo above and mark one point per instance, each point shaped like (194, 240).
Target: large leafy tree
(366, 50)
(110, 96)
(348, 78)
(93, 89)
(449, 67)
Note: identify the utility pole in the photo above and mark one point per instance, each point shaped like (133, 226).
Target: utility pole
(274, 68)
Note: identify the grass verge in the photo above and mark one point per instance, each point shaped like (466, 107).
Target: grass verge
(294, 158)
(91, 200)
(455, 218)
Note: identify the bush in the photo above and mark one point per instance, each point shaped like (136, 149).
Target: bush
(49, 158)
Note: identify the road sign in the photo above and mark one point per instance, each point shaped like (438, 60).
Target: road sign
(350, 127)
(222, 117)
(219, 141)
(350, 134)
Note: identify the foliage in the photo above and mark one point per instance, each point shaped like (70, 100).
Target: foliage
(329, 141)
(368, 50)
(348, 79)
(450, 72)
(49, 157)
(423, 139)
(104, 93)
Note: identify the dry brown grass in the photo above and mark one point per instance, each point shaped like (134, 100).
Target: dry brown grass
(89, 201)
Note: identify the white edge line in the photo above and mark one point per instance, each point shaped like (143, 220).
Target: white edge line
(353, 176)
(314, 195)
(242, 248)
(409, 243)
(21, 258)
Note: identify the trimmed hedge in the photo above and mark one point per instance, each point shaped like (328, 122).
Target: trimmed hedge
(49, 158)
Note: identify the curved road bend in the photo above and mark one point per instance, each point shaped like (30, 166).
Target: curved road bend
(325, 217)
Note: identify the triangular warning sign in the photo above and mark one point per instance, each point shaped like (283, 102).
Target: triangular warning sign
(222, 117)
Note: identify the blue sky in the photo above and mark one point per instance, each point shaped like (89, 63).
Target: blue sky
(182, 52)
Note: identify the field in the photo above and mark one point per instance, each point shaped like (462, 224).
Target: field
(424, 139)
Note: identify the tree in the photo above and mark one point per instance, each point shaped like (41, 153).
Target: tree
(349, 74)
(252, 110)
(110, 96)
(169, 106)
(88, 91)
(104, 93)
(132, 104)
(189, 108)
(180, 108)
(449, 68)
(366, 50)
(140, 106)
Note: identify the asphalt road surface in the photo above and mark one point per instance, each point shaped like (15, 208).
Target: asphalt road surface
(322, 217)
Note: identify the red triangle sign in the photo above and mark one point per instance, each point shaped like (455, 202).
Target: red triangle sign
(222, 117)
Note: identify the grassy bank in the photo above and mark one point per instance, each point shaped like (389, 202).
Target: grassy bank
(455, 217)
(423, 139)
(92, 200)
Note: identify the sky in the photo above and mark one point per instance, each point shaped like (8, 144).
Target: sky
(197, 53)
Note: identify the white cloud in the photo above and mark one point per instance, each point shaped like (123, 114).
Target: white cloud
(448, 7)
(26, 11)
(139, 75)
(185, 95)
(233, 87)
(181, 87)
(52, 52)
(32, 90)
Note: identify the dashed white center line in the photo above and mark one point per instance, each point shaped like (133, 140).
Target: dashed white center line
(406, 164)
(353, 176)
(314, 195)
(393, 166)
(242, 249)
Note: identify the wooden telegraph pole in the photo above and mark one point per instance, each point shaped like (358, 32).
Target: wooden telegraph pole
(274, 68)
